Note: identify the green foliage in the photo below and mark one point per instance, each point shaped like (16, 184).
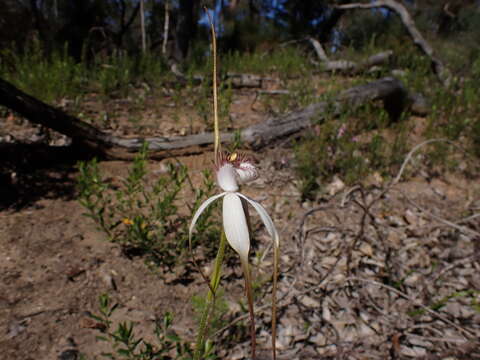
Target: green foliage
(48, 79)
(115, 75)
(59, 75)
(300, 94)
(455, 117)
(286, 61)
(143, 216)
(369, 28)
(337, 149)
(93, 195)
(127, 345)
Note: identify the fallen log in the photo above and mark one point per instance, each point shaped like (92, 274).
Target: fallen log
(237, 81)
(391, 91)
(348, 66)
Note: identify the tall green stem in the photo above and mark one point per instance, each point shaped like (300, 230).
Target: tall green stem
(210, 300)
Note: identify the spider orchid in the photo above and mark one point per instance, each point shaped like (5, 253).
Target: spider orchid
(233, 170)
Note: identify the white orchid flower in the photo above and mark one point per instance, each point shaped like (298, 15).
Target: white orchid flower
(233, 170)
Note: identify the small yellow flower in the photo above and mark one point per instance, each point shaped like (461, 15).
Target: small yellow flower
(127, 221)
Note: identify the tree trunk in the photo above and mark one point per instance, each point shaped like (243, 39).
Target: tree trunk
(38, 112)
(166, 25)
(391, 91)
(185, 29)
(142, 26)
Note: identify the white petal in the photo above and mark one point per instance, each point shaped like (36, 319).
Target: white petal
(200, 210)
(226, 178)
(267, 220)
(246, 172)
(235, 225)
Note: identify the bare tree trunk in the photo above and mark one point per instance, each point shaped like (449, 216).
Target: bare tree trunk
(166, 25)
(391, 91)
(440, 70)
(185, 29)
(125, 24)
(142, 26)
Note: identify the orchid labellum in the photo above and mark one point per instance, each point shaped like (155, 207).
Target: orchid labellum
(231, 171)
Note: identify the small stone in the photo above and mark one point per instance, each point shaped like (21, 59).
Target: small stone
(420, 342)
(366, 249)
(309, 302)
(335, 186)
(70, 354)
(16, 328)
(108, 280)
(411, 218)
(413, 351)
(412, 280)
(318, 339)
(326, 314)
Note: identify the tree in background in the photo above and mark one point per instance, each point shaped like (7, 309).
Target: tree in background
(93, 27)
(187, 19)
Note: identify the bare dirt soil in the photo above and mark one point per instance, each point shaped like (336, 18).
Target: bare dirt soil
(367, 272)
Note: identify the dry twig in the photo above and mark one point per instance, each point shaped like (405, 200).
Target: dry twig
(416, 302)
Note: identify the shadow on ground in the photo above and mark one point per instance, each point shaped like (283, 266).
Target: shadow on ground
(29, 172)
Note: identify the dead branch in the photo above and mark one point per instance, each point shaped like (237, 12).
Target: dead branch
(319, 49)
(467, 333)
(413, 151)
(390, 90)
(462, 229)
(407, 160)
(439, 68)
(348, 66)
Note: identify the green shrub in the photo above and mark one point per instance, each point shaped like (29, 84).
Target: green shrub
(141, 216)
(47, 79)
(127, 345)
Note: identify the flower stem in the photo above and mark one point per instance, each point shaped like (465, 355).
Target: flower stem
(216, 126)
(276, 260)
(249, 291)
(210, 300)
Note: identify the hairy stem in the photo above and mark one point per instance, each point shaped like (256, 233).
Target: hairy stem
(276, 260)
(249, 292)
(216, 126)
(210, 301)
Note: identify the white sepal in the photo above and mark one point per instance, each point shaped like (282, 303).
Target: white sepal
(226, 178)
(200, 210)
(235, 225)
(267, 220)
